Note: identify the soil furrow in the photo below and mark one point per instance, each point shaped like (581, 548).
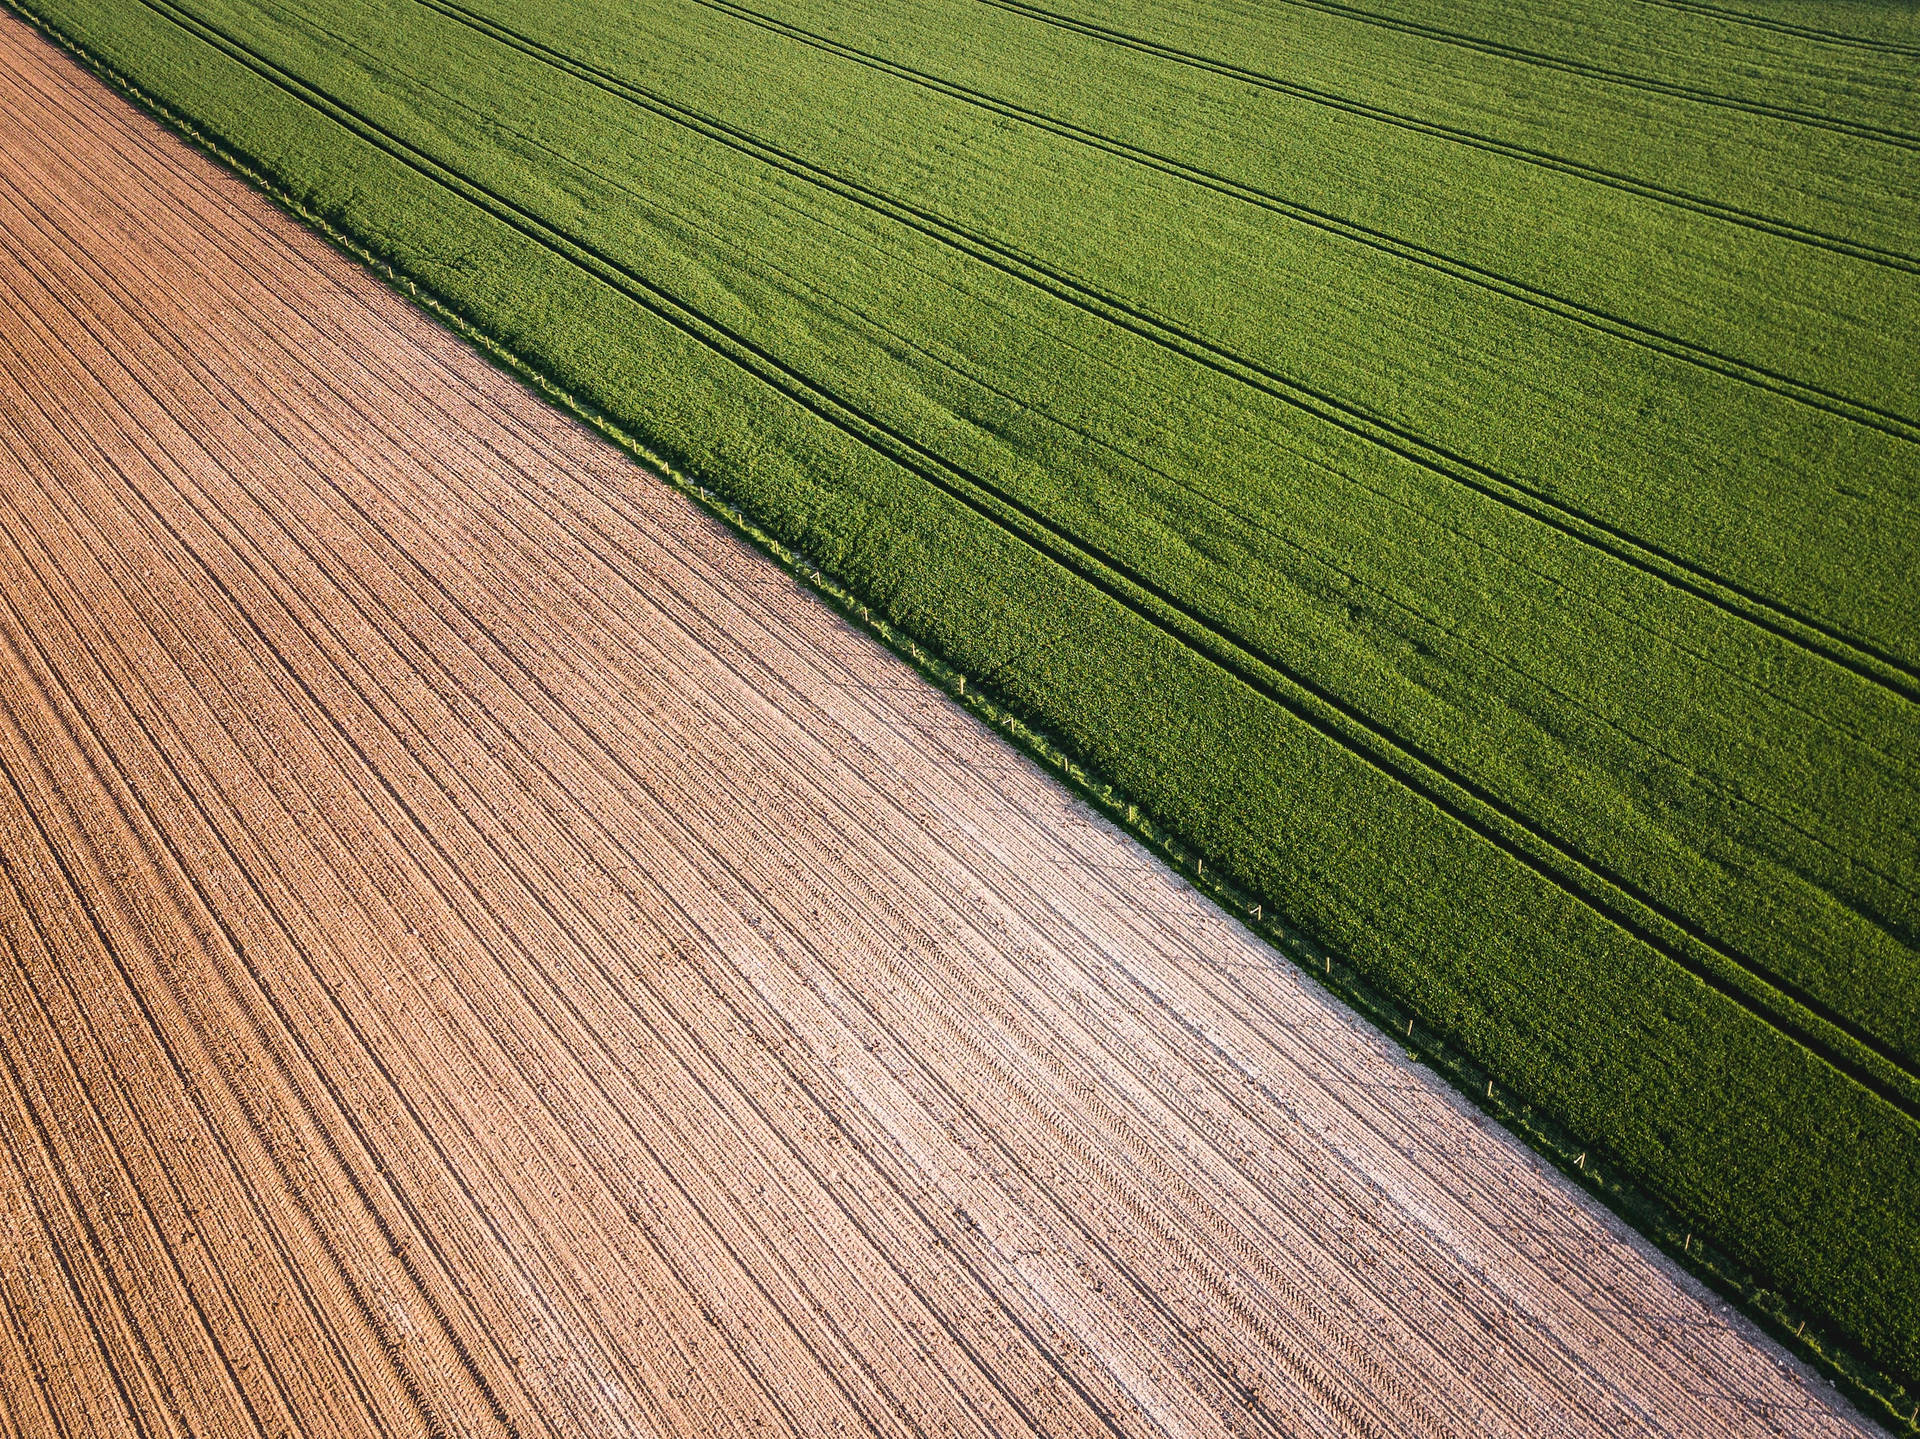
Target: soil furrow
(564, 979)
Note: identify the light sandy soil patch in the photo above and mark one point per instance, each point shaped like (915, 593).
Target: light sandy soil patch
(481, 950)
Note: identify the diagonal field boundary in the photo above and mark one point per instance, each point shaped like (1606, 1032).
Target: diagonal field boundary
(1868, 1061)
(1802, 630)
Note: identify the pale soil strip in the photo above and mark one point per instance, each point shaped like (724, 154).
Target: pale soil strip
(484, 951)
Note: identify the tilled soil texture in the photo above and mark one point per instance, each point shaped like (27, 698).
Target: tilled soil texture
(483, 950)
(1386, 440)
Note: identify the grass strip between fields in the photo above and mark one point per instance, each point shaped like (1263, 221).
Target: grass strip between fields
(1481, 812)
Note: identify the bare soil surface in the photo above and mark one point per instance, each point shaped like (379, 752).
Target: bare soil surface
(480, 949)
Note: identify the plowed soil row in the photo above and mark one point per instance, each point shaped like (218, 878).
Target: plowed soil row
(481, 950)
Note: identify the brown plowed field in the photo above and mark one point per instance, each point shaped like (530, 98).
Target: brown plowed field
(480, 949)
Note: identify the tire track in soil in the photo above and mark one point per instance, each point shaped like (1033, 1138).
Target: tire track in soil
(538, 899)
(1768, 995)
(1473, 139)
(1780, 27)
(1519, 54)
(1567, 521)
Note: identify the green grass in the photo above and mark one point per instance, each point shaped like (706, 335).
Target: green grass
(1456, 468)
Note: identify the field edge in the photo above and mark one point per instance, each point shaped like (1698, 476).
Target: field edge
(1890, 1401)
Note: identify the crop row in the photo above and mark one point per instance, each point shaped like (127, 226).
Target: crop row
(1047, 409)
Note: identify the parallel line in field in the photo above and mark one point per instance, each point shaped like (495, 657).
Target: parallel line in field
(68, 1345)
(234, 947)
(23, 1330)
(52, 565)
(534, 889)
(125, 1163)
(194, 801)
(1036, 1022)
(924, 982)
(399, 1092)
(557, 786)
(1358, 1356)
(912, 1054)
(1813, 396)
(618, 574)
(219, 926)
(369, 765)
(1654, 560)
(122, 1159)
(609, 1348)
(1783, 27)
(826, 798)
(83, 903)
(113, 1142)
(868, 439)
(1578, 169)
(836, 1111)
(1898, 139)
(72, 1175)
(78, 1211)
(1774, 1000)
(553, 884)
(384, 1340)
(294, 1270)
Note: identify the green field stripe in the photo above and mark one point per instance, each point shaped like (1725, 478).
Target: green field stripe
(1836, 1040)
(537, 101)
(1899, 139)
(1781, 621)
(1625, 485)
(1783, 27)
(1612, 179)
(763, 158)
(1264, 659)
(1755, 1137)
(1295, 147)
(1815, 397)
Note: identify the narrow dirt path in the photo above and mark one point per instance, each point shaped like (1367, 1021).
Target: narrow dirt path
(481, 950)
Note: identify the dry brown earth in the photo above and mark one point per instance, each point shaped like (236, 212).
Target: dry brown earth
(480, 949)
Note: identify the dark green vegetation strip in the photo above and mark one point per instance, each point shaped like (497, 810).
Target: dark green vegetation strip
(1393, 441)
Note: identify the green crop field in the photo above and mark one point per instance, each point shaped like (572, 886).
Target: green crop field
(1455, 466)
